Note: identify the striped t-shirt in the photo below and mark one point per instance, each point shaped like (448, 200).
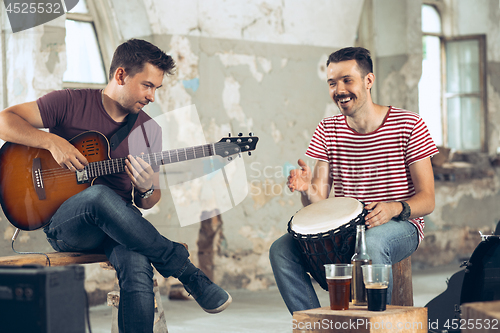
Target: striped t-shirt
(374, 167)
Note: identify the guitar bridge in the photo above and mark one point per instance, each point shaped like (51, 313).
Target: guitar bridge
(37, 179)
(82, 176)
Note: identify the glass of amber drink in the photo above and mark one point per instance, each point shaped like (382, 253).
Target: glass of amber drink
(376, 278)
(339, 278)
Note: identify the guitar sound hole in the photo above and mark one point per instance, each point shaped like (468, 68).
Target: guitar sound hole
(90, 148)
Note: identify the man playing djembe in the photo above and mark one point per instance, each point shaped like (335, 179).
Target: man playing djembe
(377, 154)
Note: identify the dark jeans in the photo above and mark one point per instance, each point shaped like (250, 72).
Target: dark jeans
(97, 219)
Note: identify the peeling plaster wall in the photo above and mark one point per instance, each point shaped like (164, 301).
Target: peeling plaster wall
(397, 52)
(270, 21)
(260, 66)
(268, 78)
(35, 61)
(248, 86)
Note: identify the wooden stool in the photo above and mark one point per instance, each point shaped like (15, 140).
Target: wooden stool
(359, 320)
(56, 259)
(402, 289)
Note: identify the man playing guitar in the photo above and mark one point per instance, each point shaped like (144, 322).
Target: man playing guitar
(103, 216)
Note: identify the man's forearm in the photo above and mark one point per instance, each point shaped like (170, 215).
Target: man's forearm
(314, 194)
(421, 204)
(14, 128)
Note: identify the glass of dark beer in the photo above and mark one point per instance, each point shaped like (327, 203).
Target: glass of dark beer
(339, 278)
(376, 278)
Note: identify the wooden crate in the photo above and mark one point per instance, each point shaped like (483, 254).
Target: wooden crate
(480, 317)
(358, 319)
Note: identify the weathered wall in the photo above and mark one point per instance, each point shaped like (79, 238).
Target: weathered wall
(465, 207)
(248, 86)
(34, 61)
(260, 69)
(260, 66)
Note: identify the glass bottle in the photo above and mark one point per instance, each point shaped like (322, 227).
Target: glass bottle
(359, 259)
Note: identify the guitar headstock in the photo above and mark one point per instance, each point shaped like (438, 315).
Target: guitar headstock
(234, 145)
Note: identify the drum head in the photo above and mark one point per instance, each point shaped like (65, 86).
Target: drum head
(325, 215)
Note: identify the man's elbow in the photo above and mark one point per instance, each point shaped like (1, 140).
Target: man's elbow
(431, 204)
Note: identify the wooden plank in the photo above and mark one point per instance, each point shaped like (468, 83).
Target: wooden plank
(480, 317)
(402, 290)
(359, 320)
(56, 259)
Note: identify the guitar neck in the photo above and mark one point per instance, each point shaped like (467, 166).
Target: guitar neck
(117, 165)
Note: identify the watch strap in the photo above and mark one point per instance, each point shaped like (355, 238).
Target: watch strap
(147, 194)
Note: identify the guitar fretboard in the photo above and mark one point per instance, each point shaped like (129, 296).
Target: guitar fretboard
(117, 165)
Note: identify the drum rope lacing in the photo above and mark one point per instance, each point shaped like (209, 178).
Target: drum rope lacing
(330, 247)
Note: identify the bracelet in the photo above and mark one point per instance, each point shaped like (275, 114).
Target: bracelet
(147, 194)
(405, 213)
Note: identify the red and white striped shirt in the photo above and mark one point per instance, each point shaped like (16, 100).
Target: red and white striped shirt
(374, 167)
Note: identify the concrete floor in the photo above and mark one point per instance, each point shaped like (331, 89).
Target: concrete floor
(260, 311)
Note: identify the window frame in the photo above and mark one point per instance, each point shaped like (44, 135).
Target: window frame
(443, 39)
(105, 34)
(482, 82)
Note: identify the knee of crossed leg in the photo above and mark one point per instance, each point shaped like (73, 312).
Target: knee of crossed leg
(98, 195)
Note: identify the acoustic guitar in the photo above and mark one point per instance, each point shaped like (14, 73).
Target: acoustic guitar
(33, 186)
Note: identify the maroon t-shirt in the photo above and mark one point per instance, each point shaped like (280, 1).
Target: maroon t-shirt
(70, 112)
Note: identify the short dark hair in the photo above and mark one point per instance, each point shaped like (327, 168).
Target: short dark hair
(360, 54)
(135, 53)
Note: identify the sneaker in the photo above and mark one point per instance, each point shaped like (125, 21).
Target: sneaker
(211, 297)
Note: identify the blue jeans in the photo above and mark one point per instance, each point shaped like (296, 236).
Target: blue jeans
(387, 244)
(97, 219)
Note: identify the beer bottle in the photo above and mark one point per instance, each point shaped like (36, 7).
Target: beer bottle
(359, 259)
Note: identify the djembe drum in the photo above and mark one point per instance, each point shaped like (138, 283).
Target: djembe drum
(325, 232)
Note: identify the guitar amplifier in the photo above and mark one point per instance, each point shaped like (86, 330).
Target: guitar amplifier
(42, 299)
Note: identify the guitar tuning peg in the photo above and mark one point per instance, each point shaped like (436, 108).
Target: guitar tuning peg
(250, 134)
(249, 153)
(229, 135)
(240, 134)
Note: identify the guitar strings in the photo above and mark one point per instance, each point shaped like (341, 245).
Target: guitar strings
(104, 167)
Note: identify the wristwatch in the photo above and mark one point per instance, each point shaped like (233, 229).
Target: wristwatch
(147, 194)
(405, 213)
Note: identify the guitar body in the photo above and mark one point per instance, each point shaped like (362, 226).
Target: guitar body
(33, 186)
